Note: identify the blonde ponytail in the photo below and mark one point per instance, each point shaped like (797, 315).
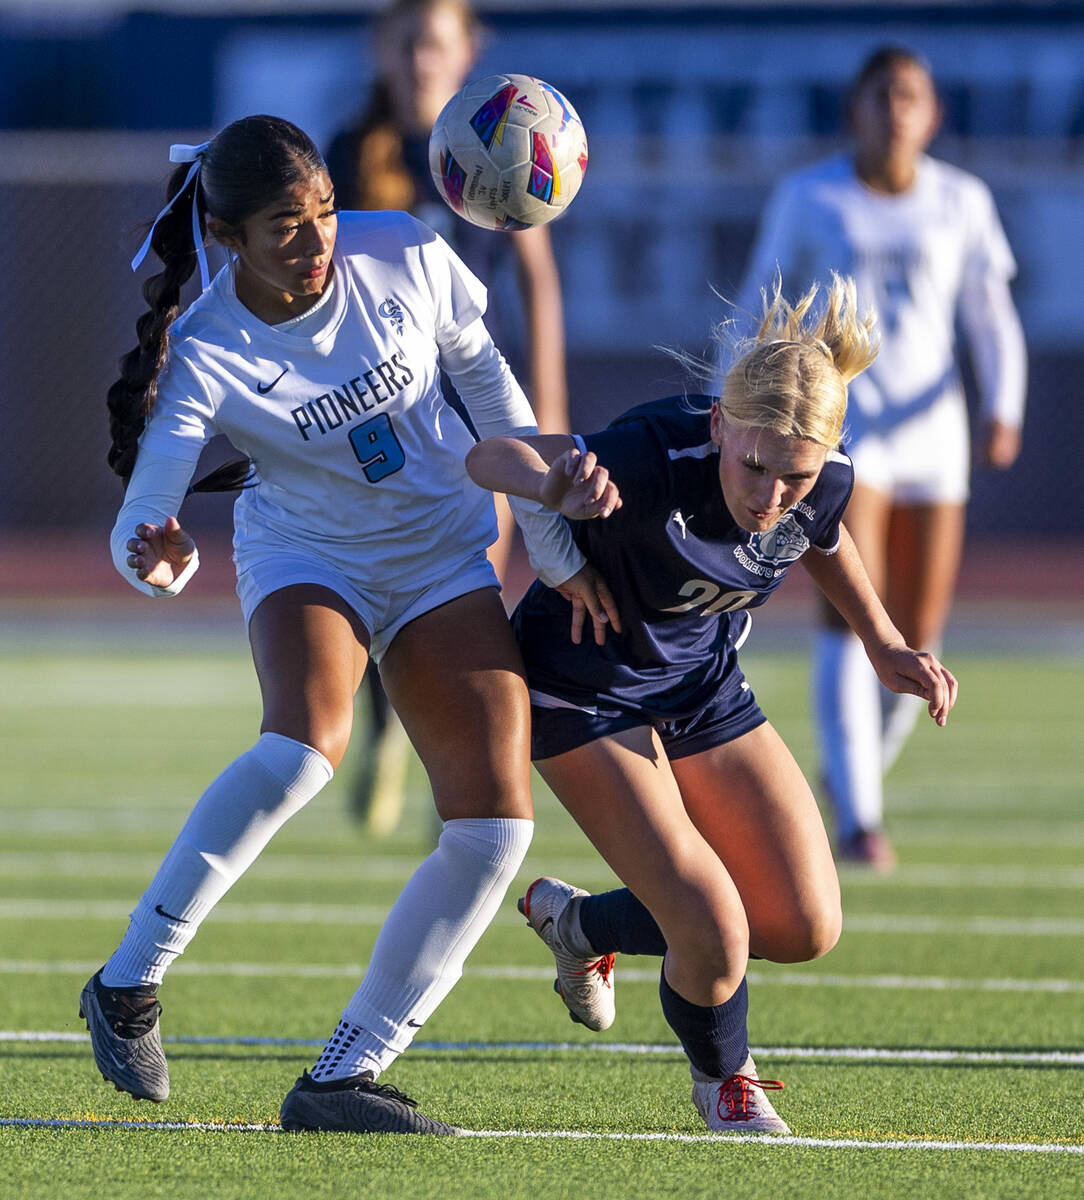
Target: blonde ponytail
(793, 379)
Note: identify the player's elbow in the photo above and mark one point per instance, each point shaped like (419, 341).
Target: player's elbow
(475, 463)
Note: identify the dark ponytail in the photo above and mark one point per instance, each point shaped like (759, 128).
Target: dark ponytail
(131, 398)
(242, 170)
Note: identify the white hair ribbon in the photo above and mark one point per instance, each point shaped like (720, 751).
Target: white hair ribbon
(180, 153)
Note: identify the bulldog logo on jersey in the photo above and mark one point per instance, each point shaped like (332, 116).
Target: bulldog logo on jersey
(783, 543)
(392, 312)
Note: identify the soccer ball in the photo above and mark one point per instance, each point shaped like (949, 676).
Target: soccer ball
(508, 152)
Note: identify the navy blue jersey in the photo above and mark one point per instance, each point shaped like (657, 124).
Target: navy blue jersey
(680, 567)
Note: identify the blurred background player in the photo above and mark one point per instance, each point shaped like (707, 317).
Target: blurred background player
(924, 244)
(425, 51)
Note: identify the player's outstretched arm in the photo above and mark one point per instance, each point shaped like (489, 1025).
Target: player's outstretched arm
(843, 580)
(548, 469)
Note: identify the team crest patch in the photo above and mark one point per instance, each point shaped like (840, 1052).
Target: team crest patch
(392, 311)
(783, 543)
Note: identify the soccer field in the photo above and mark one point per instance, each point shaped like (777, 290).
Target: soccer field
(937, 1051)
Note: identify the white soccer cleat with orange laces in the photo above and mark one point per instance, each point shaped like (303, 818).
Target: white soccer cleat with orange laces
(738, 1104)
(585, 984)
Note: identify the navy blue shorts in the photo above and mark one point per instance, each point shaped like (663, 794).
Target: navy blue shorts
(558, 726)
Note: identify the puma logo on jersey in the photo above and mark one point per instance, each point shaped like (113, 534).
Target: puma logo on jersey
(392, 312)
(680, 521)
(264, 388)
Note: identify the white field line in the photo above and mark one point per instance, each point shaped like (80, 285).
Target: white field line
(285, 868)
(576, 1135)
(888, 1054)
(948, 875)
(227, 912)
(921, 983)
(116, 865)
(937, 831)
(993, 792)
(372, 914)
(998, 926)
(131, 814)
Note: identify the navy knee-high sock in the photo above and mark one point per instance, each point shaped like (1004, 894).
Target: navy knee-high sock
(617, 923)
(715, 1038)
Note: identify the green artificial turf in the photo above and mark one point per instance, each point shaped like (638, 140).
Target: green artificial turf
(973, 946)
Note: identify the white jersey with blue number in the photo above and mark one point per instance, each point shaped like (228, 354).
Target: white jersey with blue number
(920, 258)
(356, 453)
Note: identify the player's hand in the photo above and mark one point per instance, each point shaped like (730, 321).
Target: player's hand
(588, 592)
(999, 445)
(578, 488)
(160, 553)
(917, 673)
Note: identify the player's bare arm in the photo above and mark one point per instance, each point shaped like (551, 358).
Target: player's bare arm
(548, 469)
(843, 580)
(551, 470)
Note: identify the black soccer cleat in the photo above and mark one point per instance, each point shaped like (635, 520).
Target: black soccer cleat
(355, 1105)
(124, 1035)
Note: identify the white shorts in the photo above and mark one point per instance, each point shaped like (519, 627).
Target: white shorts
(383, 611)
(924, 459)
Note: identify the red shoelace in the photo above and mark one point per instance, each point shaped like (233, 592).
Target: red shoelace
(737, 1092)
(603, 967)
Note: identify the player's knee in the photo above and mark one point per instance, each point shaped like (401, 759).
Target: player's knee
(720, 949)
(473, 782)
(822, 933)
(332, 747)
(808, 934)
(328, 732)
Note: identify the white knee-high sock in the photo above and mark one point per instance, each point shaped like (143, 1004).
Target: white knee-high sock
(444, 909)
(232, 822)
(847, 707)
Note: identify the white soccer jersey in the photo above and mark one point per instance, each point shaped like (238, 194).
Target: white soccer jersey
(921, 258)
(357, 455)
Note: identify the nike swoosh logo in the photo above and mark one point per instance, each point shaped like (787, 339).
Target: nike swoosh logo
(264, 388)
(169, 916)
(415, 1024)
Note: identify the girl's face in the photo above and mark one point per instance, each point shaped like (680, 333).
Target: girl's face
(284, 257)
(761, 473)
(425, 57)
(895, 113)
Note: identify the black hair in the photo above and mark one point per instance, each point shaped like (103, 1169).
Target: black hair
(882, 59)
(244, 167)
